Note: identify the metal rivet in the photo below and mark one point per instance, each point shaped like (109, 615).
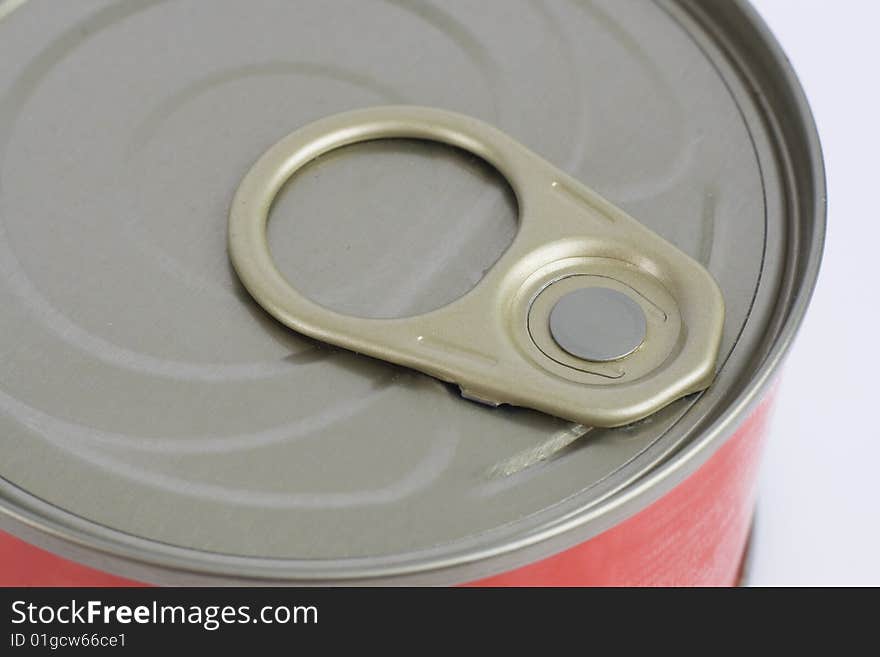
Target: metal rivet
(598, 324)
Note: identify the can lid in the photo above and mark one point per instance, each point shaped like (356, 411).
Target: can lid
(151, 409)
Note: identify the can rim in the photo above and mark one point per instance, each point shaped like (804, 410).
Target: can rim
(48, 526)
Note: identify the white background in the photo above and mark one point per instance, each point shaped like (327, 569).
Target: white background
(819, 507)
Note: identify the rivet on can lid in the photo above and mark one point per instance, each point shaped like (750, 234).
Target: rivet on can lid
(598, 324)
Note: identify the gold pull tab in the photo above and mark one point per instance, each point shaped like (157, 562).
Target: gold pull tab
(588, 315)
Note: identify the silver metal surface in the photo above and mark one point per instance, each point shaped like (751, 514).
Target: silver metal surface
(155, 422)
(598, 323)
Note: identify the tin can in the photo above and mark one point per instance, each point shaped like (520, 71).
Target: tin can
(157, 426)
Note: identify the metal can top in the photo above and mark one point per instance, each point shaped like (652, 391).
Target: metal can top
(152, 413)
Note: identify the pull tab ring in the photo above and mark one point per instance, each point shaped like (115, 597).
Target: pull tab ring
(588, 315)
